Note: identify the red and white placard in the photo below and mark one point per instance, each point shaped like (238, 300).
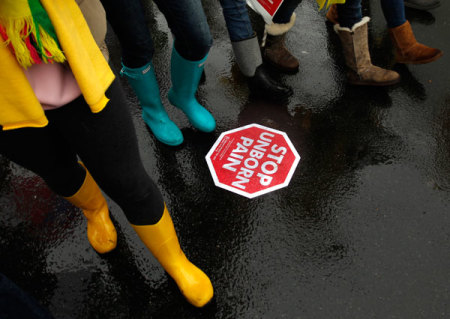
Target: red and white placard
(266, 8)
(252, 160)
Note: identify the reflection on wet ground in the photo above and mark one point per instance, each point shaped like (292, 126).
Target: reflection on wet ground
(361, 231)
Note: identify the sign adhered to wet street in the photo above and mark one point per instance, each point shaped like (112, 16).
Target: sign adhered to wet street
(252, 160)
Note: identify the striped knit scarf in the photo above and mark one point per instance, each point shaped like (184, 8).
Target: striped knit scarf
(26, 28)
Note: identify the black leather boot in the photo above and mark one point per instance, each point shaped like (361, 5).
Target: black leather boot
(262, 84)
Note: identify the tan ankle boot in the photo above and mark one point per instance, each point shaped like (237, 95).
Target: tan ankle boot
(408, 50)
(100, 230)
(274, 49)
(361, 71)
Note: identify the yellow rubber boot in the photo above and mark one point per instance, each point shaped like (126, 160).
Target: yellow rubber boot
(100, 230)
(162, 241)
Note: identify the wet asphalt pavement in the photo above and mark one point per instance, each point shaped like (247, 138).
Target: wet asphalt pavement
(362, 231)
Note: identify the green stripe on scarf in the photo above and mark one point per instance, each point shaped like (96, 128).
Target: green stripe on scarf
(41, 19)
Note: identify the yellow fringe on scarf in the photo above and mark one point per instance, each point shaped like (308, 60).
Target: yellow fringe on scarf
(17, 21)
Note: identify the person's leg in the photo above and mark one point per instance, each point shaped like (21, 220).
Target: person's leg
(106, 143)
(275, 51)
(48, 154)
(349, 13)
(352, 31)
(187, 21)
(407, 49)
(107, 146)
(129, 23)
(237, 20)
(284, 13)
(247, 51)
(394, 12)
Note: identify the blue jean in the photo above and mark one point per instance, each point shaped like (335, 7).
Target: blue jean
(186, 20)
(238, 22)
(350, 12)
(394, 12)
(237, 19)
(285, 11)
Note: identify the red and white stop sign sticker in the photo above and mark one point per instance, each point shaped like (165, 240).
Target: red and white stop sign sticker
(252, 160)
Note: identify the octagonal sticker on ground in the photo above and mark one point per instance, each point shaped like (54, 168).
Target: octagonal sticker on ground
(252, 160)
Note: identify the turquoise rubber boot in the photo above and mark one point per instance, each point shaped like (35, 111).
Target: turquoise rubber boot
(143, 81)
(185, 77)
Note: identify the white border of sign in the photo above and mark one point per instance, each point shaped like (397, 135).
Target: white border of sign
(267, 190)
(258, 8)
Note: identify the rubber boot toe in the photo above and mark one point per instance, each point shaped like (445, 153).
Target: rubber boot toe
(163, 129)
(198, 116)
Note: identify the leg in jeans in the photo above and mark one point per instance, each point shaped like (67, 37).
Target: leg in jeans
(349, 13)
(243, 38)
(129, 24)
(394, 12)
(237, 20)
(128, 21)
(285, 11)
(187, 21)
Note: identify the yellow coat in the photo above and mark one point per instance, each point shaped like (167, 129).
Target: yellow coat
(19, 106)
(330, 2)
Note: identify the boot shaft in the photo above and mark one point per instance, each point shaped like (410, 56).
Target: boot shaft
(355, 45)
(144, 83)
(185, 74)
(162, 242)
(248, 55)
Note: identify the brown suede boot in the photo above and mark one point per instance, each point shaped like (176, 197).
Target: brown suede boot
(408, 50)
(274, 50)
(361, 71)
(332, 14)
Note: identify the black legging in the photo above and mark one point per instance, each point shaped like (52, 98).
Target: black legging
(105, 142)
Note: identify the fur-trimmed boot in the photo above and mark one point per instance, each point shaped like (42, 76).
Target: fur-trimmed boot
(249, 60)
(408, 50)
(274, 49)
(360, 70)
